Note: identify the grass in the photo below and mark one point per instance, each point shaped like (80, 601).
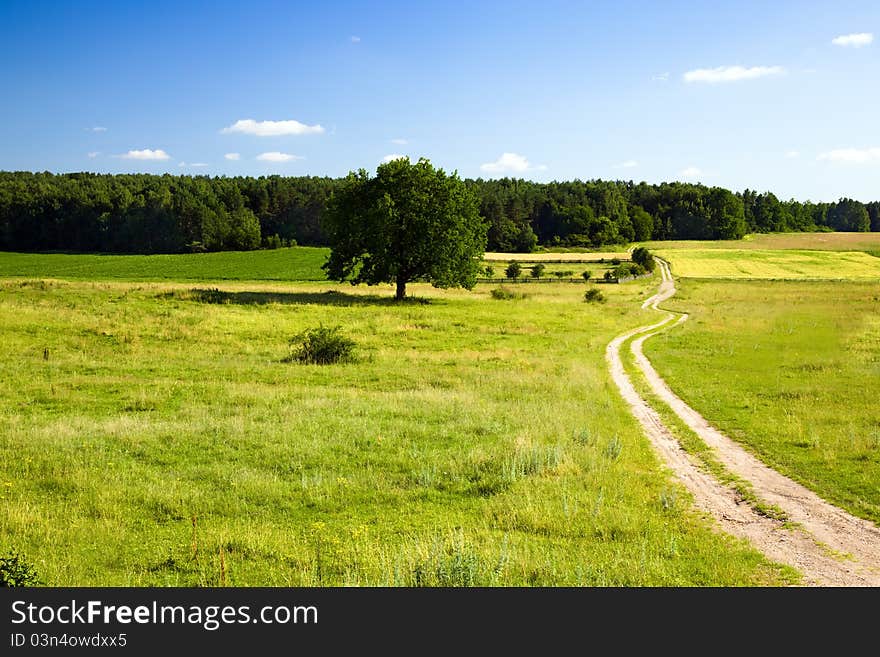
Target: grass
(300, 263)
(786, 368)
(772, 265)
(151, 434)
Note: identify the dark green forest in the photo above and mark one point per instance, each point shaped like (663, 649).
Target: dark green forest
(141, 213)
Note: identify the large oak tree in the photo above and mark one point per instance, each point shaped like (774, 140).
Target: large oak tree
(409, 222)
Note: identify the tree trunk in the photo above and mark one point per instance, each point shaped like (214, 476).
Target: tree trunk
(401, 289)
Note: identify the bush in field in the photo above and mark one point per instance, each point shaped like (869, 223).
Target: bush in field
(489, 271)
(643, 257)
(594, 295)
(615, 261)
(15, 570)
(537, 270)
(609, 275)
(587, 275)
(504, 294)
(321, 346)
(513, 270)
(563, 274)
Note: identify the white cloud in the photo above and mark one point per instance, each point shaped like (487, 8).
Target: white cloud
(272, 128)
(852, 155)
(275, 156)
(856, 40)
(792, 154)
(146, 154)
(510, 163)
(629, 164)
(233, 156)
(355, 39)
(392, 157)
(93, 154)
(691, 172)
(400, 142)
(661, 77)
(731, 73)
(97, 128)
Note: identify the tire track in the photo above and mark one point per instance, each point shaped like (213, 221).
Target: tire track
(822, 529)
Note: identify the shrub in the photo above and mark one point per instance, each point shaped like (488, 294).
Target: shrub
(643, 257)
(321, 346)
(503, 294)
(489, 271)
(563, 274)
(609, 275)
(587, 275)
(615, 261)
(537, 270)
(513, 270)
(15, 570)
(594, 295)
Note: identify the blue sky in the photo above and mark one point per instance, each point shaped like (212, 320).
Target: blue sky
(779, 96)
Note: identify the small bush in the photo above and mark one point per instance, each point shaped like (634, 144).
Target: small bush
(504, 294)
(323, 345)
(537, 270)
(594, 295)
(587, 275)
(15, 570)
(615, 261)
(563, 274)
(489, 271)
(609, 275)
(513, 270)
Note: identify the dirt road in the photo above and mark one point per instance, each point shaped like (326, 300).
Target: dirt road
(827, 545)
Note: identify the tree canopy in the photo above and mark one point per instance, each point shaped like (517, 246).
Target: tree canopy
(409, 222)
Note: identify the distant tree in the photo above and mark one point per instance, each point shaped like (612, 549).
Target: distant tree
(642, 257)
(489, 271)
(409, 222)
(849, 215)
(643, 224)
(513, 269)
(537, 270)
(587, 275)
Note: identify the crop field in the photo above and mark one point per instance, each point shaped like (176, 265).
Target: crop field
(769, 265)
(300, 263)
(782, 241)
(788, 369)
(564, 256)
(156, 434)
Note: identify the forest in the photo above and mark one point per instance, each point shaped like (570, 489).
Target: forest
(144, 213)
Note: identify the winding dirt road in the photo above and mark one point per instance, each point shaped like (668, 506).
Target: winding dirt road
(827, 545)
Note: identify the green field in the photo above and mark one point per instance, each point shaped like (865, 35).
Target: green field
(772, 265)
(301, 263)
(790, 370)
(151, 438)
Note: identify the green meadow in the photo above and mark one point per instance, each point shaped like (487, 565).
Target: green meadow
(154, 434)
(788, 369)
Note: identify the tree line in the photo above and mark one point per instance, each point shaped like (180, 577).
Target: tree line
(143, 213)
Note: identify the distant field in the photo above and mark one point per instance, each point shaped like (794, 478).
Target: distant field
(777, 265)
(300, 263)
(799, 241)
(789, 369)
(585, 256)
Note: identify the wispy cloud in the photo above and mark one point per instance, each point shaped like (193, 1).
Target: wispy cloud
(97, 128)
(93, 154)
(511, 163)
(146, 154)
(197, 165)
(392, 157)
(233, 156)
(851, 155)
(275, 156)
(355, 39)
(856, 40)
(628, 164)
(272, 128)
(731, 73)
(661, 77)
(399, 141)
(792, 154)
(690, 172)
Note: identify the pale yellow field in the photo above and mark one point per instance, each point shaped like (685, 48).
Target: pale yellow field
(777, 241)
(777, 264)
(565, 257)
